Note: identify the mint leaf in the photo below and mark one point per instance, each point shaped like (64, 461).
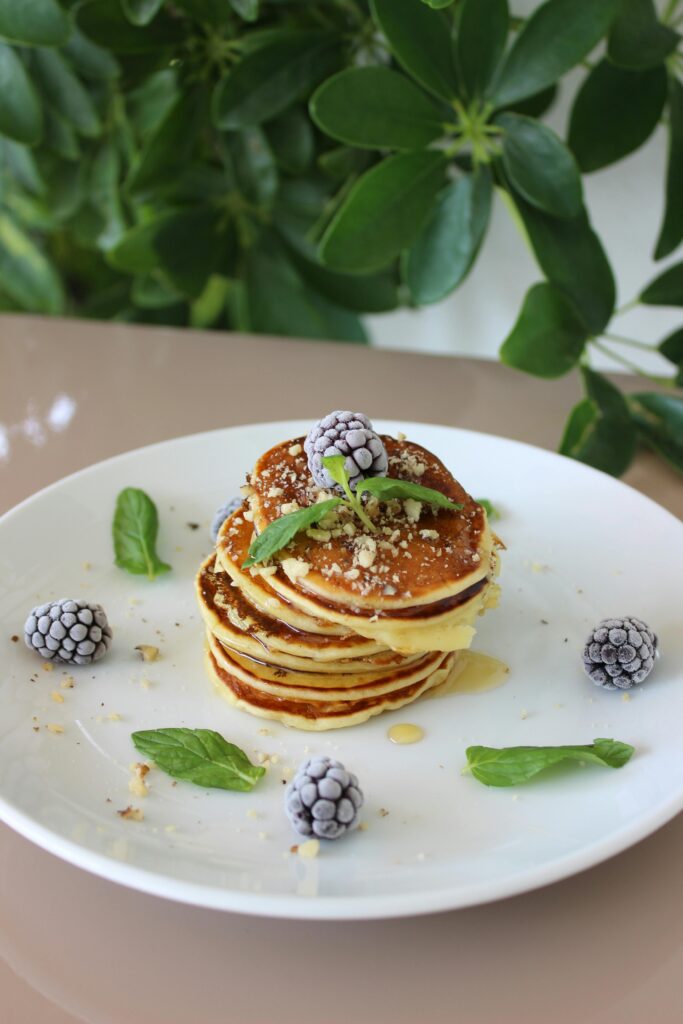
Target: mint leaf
(385, 488)
(279, 533)
(336, 467)
(490, 509)
(134, 532)
(201, 756)
(509, 766)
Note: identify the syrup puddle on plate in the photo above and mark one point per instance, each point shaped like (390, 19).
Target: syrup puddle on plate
(405, 732)
(472, 673)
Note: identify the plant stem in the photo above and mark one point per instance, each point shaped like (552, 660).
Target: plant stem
(618, 358)
(627, 307)
(669, 10)
(628, 341)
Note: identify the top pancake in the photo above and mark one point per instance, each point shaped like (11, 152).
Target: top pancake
(418, 555)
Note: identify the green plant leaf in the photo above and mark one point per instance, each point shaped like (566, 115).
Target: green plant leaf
(480, 42)
(572, 258)
(134, 252)
(556, 37)
(154, 291)
(20, 164)
(540, 166)
(615, 112)
(384, 212)
(672, 349)
(279, 533)
(26, 275)
(666, 289)
(248, 10)
(548, 338)
(270, 79)
(377, 108)
(104, 22)
(201, 756)
(536, 105)
(169, 147)
(189, 248)
(343, 161)
(20, 113)
(63, 90)
(671, 231)
(510, 766)
(659, 420)
(89, 59)
(385, 489)
(637, 38)
(438, 4)
(134, 532)
(141, 12)
(209, 307)
(254, 166)
(599, 430)
(291, 140)
(59, 135)
(33, 22)
(104, 188)
(287, 305)
(448, 244)
(367, 293)
(420, 40)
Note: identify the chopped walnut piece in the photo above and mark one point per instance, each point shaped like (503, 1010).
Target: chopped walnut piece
(295, 568)
(148, 652)
(54, 727)
(296, 449)
(132, 814)
(412, 509)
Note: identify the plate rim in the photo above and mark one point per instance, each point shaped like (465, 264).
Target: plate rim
(343, 907)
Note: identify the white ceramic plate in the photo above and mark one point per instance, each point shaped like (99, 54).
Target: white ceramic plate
(581, 547)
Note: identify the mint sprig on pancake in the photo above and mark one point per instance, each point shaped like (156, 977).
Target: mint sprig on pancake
(384, 488)
(279, 533)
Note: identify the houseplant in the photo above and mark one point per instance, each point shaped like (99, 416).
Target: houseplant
(283, 166)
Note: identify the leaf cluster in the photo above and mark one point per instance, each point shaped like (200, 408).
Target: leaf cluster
(285, 167)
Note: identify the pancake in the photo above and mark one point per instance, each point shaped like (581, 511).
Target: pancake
(241, 626)
(347, 620)
(314, 715)
(418, 583)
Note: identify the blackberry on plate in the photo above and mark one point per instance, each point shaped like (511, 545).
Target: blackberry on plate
(323, 799)
(75, 632)
(620, 653)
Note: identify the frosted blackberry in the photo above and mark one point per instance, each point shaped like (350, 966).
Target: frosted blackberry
(620, 653)
(349, 434)
(74, 632)
(323, 799)
(221, 514)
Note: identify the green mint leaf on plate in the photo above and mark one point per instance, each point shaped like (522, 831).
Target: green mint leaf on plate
(509, 766)
(279, 533)
(488, 506)
(134, 531)
(201, 756)
(385, 488)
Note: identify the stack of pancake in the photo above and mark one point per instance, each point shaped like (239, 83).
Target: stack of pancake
(344, 622)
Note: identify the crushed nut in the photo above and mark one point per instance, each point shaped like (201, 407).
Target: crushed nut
(132, 814)
(148, 652)
(57, 697)
(54, 727)
(295, 449)
(309, 849)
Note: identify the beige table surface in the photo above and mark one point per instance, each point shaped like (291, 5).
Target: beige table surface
(606, 945)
